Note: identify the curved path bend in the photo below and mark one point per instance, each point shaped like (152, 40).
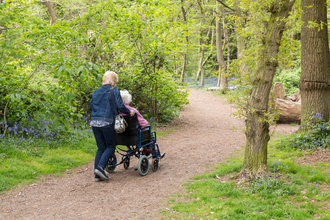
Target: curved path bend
(205, 137)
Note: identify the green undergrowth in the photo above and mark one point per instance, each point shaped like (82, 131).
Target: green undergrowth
(23, 164)
(288, 191)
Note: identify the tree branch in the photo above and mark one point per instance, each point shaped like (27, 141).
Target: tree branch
(224, 4)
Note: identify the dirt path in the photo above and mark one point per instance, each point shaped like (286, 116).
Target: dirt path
(205, 138)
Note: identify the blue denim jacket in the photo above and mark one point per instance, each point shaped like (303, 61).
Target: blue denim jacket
(101, 104)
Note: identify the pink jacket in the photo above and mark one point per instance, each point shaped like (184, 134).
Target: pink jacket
(141, 120)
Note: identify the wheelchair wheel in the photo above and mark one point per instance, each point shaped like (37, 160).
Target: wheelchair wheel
(110, 165)
(154, 165)
(143, 165)
(126, 163)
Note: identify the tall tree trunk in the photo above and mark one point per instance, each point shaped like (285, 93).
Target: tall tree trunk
(257, 126)
(224, 78)
(240, 39)
(201, 47)
(184, 55)
(220, 59)
(184, 62)
(315, 61)
(201, 63)
(51, 11)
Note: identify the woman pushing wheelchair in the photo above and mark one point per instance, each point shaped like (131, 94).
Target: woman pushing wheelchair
(102, 121)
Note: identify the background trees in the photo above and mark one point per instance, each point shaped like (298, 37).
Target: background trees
(53, 55)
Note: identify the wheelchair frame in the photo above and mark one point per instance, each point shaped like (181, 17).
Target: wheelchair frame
(145, 149)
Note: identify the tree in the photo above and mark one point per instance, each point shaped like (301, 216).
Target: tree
(184, 54)
(257, 124)
(51, 11)
(315, 60)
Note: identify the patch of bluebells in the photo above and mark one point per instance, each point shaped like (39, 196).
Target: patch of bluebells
(208, 82)
(31, 130)
(315, 136)
(274, 182)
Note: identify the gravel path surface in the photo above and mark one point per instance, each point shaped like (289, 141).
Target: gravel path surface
(205, 137)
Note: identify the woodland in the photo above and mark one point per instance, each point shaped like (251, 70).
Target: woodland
(53, 55)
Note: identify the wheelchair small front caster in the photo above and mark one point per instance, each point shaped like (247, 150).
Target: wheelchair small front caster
(110, 167)
(143, 165)
(126, 163)
(155, 163)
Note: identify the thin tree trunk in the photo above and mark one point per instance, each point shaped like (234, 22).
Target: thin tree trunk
(184, 62)
(184, 55)
(240, 39)
(220, 59)
(201, 47)
(201, 62)
(315, 61)
(51, 11)
(257, 125)
(219, 77)
(224, 78)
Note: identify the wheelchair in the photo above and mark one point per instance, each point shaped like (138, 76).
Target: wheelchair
(140, 142)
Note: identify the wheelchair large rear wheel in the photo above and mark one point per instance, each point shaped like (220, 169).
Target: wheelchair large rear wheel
(110, 167)
(143, 165)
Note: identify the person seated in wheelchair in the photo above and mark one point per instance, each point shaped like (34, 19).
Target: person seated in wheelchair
(127, 99)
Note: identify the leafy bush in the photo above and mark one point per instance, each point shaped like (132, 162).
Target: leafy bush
(290, 79)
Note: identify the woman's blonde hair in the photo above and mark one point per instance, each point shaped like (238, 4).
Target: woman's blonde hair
(110, 77)
(126, 97)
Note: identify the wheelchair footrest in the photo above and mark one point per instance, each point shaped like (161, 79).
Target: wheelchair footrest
(162, 155)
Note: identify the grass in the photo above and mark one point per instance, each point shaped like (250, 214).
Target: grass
(24, 164)
(288, 191)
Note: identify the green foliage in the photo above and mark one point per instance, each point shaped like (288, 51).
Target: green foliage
(290, 79)
(50, 71)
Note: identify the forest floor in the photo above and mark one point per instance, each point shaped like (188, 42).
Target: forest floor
(204, 135)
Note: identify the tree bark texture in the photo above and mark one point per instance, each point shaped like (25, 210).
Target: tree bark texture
(220, 59)
(240, 39)
(51, 11)
(257, 126)
(288, 111)
(184, 55)
(315, 61)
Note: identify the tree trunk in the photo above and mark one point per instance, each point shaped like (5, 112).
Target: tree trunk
(184, 61)
(184, 55)
(288, 111)
(221, 61)
(315, 61)
(240, 39)
(51, 11)
(201, 47)
(201, 62)
(257, 125)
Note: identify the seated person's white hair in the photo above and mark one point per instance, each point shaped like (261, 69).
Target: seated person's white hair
(110, 78)
(127, 98)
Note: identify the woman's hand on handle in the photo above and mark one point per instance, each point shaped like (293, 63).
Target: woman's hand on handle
(132, 113)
